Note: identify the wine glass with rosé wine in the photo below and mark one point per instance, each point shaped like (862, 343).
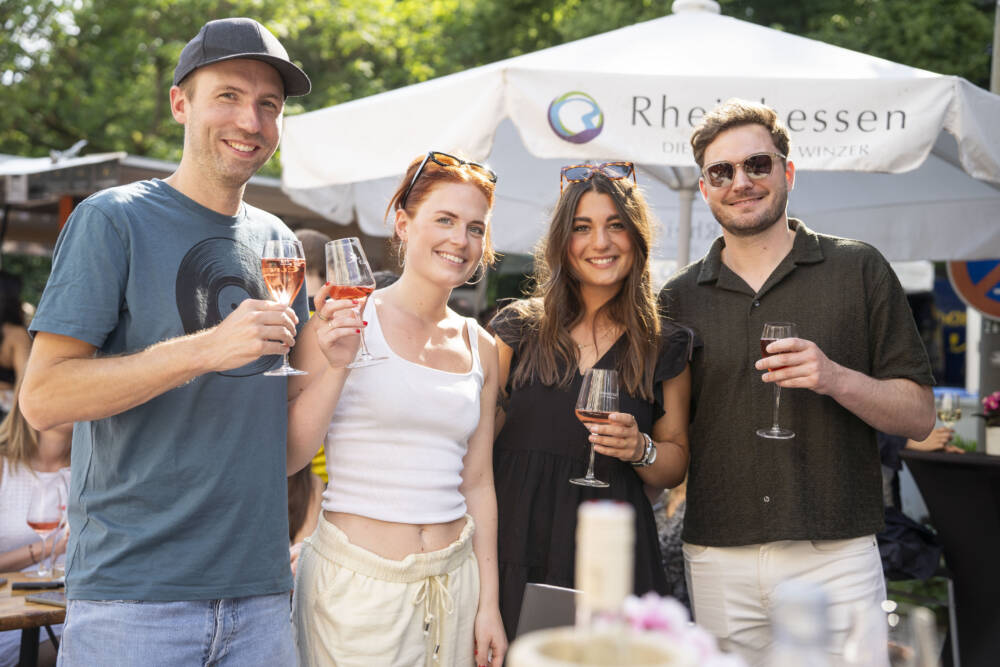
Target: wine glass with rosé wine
(44, 517)
(350, 277)
(283, 265)
(597, 400)
(772, 332)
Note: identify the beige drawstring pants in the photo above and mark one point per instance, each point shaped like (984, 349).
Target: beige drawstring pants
(353, 608)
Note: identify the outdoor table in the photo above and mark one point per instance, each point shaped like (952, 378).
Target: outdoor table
(28, 617)
(962, 493)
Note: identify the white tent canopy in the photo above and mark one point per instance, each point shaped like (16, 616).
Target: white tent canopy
(636, 93)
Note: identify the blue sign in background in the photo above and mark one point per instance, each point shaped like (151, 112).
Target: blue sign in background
(978, 270)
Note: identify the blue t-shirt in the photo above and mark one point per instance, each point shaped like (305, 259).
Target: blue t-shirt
(183, 497)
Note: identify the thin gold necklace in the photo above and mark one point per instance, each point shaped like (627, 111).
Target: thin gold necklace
(598, 339)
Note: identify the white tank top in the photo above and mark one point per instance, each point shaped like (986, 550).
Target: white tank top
(396, 442)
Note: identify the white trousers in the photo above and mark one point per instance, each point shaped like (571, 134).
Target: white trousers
(731, 588)
(353, 608)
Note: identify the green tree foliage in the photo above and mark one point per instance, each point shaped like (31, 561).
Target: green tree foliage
(944, 36)
(101, 69)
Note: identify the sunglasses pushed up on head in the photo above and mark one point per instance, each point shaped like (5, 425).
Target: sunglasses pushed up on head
(756, 167)
(614, 171)
(446, 160)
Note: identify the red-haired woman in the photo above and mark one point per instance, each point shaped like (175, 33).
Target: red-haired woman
(402, 567)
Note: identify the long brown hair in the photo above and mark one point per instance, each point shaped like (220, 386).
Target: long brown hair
(556, 304)
(18, 441)
(430, 177)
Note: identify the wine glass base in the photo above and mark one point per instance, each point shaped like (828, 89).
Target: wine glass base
(361, 362)
(589, 481)
(776, 433)
(285, 371)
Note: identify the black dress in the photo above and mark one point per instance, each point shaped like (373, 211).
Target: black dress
(540, 447)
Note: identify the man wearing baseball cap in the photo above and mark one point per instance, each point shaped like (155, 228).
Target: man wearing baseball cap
(151, 335)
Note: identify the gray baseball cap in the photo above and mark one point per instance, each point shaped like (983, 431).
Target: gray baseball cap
(228, 39)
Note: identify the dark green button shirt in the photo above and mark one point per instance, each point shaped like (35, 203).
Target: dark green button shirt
(826, 482)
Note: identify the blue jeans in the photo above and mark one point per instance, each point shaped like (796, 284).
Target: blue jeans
(250, 632)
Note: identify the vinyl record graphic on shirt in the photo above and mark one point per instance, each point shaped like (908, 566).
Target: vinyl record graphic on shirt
(213, 279)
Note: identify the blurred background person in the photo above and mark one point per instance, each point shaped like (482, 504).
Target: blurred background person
(29, 460)
(669, 511)
(314, 248)
(301, 483)
(15, 343)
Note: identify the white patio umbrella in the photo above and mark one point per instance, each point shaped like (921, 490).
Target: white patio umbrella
(903, 158)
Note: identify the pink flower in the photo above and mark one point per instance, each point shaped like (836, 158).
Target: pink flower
(669, 617)
(651, 612)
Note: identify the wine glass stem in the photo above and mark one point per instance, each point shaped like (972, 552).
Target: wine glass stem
(590, 466)
(777, 404)
(52, 553)
(284, 357)
(364, 348)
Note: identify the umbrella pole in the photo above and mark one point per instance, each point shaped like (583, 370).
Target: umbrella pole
(685, 198)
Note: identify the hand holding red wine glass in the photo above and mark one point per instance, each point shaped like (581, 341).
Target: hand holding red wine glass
(597, 400)
(283, 266)
(350, 277)
(774, 331)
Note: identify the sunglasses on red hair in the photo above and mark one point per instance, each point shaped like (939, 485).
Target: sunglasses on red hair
(446, 160)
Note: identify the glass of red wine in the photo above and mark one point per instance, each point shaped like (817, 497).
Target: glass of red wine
(597, 400)
(283, 265)
(350, 277)
(44, 517)
(774, 331)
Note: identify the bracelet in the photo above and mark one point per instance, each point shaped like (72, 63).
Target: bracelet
(648, 456)
(31, 552)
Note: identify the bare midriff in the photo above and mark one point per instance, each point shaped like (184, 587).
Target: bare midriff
(395, 541)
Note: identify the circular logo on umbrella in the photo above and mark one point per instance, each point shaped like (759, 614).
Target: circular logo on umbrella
(575, 117)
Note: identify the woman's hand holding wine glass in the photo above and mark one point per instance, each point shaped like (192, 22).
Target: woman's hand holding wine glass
(349, 276)
(619, 438)
(339, 328)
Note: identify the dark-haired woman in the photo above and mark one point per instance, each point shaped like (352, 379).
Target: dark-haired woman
(401, 570)
(593, 306)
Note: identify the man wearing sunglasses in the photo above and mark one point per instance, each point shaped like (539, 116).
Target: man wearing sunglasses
(764, 510)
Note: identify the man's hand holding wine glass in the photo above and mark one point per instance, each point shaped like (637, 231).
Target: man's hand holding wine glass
(799, 363)
(339, 330)
(254, 329)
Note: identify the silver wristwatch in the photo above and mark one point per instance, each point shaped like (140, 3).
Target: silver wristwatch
(648, 456)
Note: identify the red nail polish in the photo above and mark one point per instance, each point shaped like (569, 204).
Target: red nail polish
(357, 331)
(364, 323)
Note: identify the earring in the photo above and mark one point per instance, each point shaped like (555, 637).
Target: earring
(481, 269)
